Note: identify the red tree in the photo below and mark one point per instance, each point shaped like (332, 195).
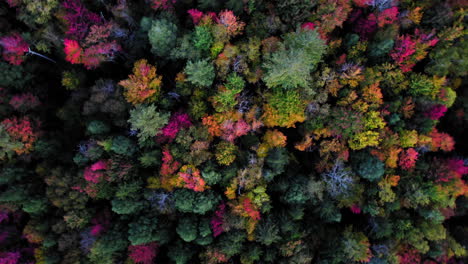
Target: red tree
(144, 254)
(14, 48)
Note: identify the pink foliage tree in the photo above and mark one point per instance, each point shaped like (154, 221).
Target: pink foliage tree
(88, 37)
(408, 159)
(388, 16)
(217, 220)
(95, 173)
(355, 209)
(79, 19)
(409, 256)
(436, 112)
(365, 26)
(192, 179)
(410, 49)
(449, 169)
(14, 48)
(162, 4)
(232, 130)
(24, 102)
(404, 48)
(196, 15)
(230, 22)
(144, 254)
(101, 223)
(177, 122)
(9, 257)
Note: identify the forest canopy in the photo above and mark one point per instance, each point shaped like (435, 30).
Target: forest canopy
(233, 131)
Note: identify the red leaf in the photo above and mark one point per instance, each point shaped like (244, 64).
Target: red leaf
(73, 51)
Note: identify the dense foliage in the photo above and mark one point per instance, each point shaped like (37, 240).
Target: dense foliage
(233, 131)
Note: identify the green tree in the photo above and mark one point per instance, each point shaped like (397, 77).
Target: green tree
(147, 121)
(291, 66)
(162, 36)
(127, 206)
(123, 146)
(368, 166)
(187, 228)
(200, 73)
(143, 230)
(189, 201)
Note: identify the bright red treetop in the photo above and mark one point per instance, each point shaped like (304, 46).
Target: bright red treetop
(73, 51)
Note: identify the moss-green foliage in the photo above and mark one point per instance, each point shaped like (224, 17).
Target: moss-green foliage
(150, 159)
(202, 39)
(13, 75)
(126, 206)
(291, 66)
(143, 230)
(7, 146)
(147, 121)
(226, 100)
(296, 192)
(200, 73)
(195, 202)
(123, 146)
(355, 246)
(162, 36)
(180, 253)
(232, 243)
(449, 60)
(267, 232)
(39, 11)
(212, 176)
(108, 248)
(187, 228)
(11, 174)
(97, 127)
(275, 163)
(285, 109)
(205, 236)
(368, 166)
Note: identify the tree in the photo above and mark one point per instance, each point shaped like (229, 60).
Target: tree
(225, 99)
(143, 86)
(356, 245)
(368, 166)
(73, 51)
(200, 73)
(143, 230)
(162, 36)
(226, 153)
(189, 201)
(290, 67)
(267, 231)
(127, 206)
(144, 254)
(338, 180)
(78, 19)
(408, 159)
(177, 122)
(123, 146)
(14, 48)
(20, 131)
(283, 109)
(147, 121)
(187, 228)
